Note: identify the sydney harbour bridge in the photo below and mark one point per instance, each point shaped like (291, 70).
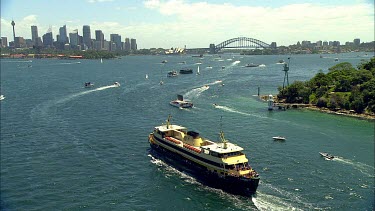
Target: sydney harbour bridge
(234, 43)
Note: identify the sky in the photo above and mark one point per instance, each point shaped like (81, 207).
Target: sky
(195, 23)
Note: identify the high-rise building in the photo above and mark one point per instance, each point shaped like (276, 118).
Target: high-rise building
(133, 44)
(4, 42)
(357, 42)
(319, 43)
(34, 35)
(325, 43)
(74, 38)
(87, 36)
(99, 37)
(127, 44)
(19, 42)
(48, 40)
(63, 38)
(116, 39)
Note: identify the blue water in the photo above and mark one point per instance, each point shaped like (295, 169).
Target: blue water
(64, 147)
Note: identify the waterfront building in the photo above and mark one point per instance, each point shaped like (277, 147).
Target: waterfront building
(319, 43)
(273, 45)
(133, 44)
(325, 43)
(4, 42)
(87, 36)
(34, 35)
(357, 41)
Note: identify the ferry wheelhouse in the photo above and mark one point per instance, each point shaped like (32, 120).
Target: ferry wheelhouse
(220, 165)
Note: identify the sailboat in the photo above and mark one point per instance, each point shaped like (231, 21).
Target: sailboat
(101, 60)
(198, 73)
(146, 76)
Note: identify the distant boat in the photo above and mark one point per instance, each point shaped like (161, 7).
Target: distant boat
(164, 61)
(252, 65)
(279, 138)
(198, 73)
(161, 82)
(89, 85)
(209, 67)
(186, 71)
(336, 59)
(181, 103)
(222, 67)
(270, 102)
(101, 60)
(146, 76)
(2, 97)
(117, 84)
(281, 61)
(320, 56)
(326, 155)
(172, 73)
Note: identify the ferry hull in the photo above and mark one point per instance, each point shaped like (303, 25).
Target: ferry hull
(230, 184)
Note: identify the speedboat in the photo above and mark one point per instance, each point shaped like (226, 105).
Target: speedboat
(186, 71)
(181, 103)
(252, 65)
(2, 97)
(117, 84)
(89, 85)
(279, 138)
(326, 155)
(172, 73)
(164, 61)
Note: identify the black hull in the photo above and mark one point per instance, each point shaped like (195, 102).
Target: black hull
(230, 184)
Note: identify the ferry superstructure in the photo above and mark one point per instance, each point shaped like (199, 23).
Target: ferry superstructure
(220, 165)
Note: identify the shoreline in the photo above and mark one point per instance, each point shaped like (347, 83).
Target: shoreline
(341, 112)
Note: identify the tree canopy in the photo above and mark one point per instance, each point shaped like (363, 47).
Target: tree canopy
(343, 87)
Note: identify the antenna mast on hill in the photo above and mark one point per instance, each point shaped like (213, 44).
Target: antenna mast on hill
(286, 69)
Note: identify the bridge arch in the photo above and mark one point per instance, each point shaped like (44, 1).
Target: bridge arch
(242, 42)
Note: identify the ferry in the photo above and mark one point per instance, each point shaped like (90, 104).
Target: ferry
(221, 165)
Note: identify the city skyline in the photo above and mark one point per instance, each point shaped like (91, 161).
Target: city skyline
(176, 23)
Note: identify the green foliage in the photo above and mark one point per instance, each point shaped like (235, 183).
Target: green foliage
(343, 87)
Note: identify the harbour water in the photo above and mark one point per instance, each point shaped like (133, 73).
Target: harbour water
(66, 147)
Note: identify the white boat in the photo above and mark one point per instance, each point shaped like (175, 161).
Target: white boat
(270, 102)
(198, 73)
(172, 73)
(181, 103)
(146, 76)
(101, 60)
(117, 84)
(89, 85)
(2, 97)
(326, 155)
(279, 138)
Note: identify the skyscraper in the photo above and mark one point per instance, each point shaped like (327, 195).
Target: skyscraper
(34, 35)
(99, 37)
(115, 38)
(63, 38)
(48, 39)
(357, 41)
(133, 44)
(87, 36)
(127, 44)
(4, 42)
(74, 38)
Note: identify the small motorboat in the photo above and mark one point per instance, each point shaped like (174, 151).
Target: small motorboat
(252, 65)
(164, 61)
(89, 85)
(2, 97)
(117, 84)
(326, 155)
(172, 73)
(181, 103)
(279, 138)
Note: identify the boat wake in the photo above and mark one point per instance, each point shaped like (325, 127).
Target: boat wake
(196, 92)
(276, 200)
(70, 97)
(216, 82)
(235, 62)
(225, 108)
(363, 168)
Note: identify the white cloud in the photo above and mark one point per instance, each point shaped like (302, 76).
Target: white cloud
(98, 1)
(287, 24)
